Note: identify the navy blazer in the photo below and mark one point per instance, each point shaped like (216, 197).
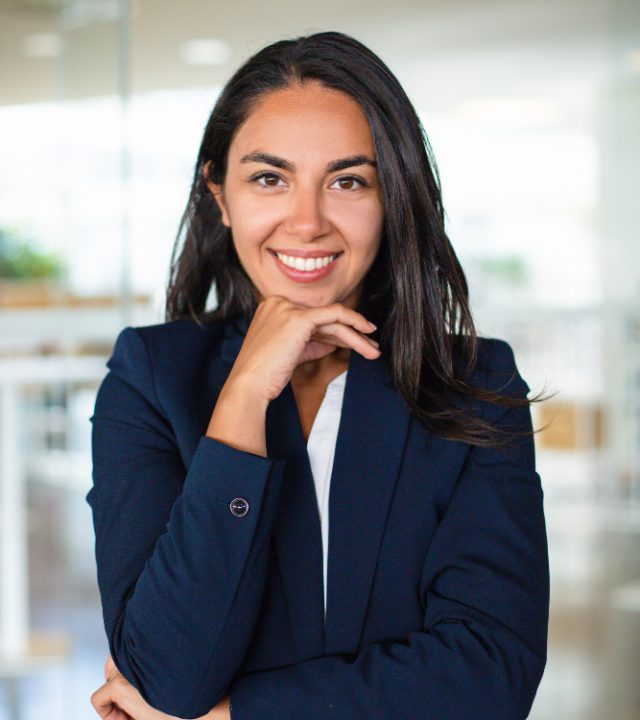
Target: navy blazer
(438, 586)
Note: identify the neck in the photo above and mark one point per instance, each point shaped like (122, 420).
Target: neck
(325, 366)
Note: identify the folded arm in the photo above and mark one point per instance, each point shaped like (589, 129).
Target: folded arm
(485, 590)
(181, 577)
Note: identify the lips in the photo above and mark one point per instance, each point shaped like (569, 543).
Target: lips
(305, 253)
(305, 276)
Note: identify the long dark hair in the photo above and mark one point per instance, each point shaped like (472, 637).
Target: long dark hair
(415, 291)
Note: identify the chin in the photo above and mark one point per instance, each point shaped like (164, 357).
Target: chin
(307, 298)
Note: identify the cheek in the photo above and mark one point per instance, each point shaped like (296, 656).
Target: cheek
(362, 227)
(253, 224)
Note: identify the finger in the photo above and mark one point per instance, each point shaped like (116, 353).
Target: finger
(102, 701)
(118, 714)
(324, 334)
(326, 338)
(111, 699)
(119, 700)
(348, 337)
(109, 666)
(326, 331)
(337, 312)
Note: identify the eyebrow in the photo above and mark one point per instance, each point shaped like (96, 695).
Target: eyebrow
(283, 164)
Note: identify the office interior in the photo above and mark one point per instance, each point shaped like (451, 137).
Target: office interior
(532, 109)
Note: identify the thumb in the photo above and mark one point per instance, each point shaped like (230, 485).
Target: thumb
(108, 667)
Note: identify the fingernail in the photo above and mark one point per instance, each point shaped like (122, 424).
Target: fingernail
(375, 327)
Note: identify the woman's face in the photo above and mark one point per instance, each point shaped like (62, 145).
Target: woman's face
(301, 180)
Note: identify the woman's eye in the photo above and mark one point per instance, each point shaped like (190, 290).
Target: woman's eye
(351, 179)
(271, 180)
(266, 175)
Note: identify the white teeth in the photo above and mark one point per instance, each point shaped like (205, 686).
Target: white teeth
(307, 264)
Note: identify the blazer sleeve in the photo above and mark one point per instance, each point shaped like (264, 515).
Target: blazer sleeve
(485, 590)
(181, 578)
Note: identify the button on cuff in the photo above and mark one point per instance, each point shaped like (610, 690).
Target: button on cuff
(239, 507)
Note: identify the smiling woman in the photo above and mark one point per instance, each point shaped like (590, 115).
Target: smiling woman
(294, 519)
(313, 134)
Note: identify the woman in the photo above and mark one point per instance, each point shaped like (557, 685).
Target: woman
(231, 586)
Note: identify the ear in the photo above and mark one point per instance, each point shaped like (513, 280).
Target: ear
(217, 190)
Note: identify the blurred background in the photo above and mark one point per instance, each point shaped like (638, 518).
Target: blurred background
(533, 111)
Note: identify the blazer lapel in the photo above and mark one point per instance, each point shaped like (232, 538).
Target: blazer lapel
(373, 428)
(297, 535)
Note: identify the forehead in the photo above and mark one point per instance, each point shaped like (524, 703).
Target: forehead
(308, 118)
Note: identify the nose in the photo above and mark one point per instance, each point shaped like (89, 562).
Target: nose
(306, 218)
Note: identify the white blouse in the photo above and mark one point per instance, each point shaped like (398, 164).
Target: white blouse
(321, 447)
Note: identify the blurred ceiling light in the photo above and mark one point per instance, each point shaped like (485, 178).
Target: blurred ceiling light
(42, 45)
(510, 112)
(632, 60)
(205, 51)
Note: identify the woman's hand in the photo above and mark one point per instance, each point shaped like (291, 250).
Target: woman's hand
(283, 334)
(117, 699)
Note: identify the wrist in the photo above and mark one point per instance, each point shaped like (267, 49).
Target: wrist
(243, 391)
(239, 419)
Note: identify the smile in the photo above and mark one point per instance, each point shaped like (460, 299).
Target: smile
(305, 269)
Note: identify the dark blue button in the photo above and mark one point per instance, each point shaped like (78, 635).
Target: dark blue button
(239, 507)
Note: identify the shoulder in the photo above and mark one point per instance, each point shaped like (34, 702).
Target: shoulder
(170, 339)
(495, 370)
(142, 353)
(496, 367)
